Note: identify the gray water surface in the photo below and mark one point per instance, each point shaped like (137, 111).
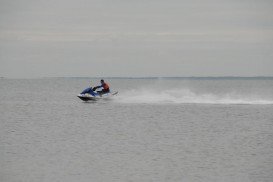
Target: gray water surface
(154, 130)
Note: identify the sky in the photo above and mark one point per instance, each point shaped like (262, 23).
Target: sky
(135, 38)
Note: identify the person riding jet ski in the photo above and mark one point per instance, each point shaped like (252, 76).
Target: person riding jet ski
(105, 86)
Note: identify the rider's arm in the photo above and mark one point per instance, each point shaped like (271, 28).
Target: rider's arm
(97, 87)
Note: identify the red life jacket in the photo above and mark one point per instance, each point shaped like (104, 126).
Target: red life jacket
(105, 86)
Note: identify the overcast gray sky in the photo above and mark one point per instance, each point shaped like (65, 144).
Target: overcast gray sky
(136, 38)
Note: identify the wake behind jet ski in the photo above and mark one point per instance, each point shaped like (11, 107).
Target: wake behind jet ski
(91, 93)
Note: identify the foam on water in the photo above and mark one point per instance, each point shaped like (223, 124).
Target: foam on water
(187, 96)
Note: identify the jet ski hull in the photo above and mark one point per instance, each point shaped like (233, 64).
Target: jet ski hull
(89, 97)
(86, 97)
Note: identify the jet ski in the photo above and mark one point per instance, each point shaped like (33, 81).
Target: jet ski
(89, 94)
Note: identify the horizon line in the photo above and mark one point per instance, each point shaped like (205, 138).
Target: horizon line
(142, 77)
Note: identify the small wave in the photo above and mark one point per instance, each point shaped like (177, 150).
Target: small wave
(186, 96)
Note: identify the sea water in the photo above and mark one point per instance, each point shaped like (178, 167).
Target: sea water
(155, 129)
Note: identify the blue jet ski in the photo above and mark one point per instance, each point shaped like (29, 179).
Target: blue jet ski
(89, 94)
